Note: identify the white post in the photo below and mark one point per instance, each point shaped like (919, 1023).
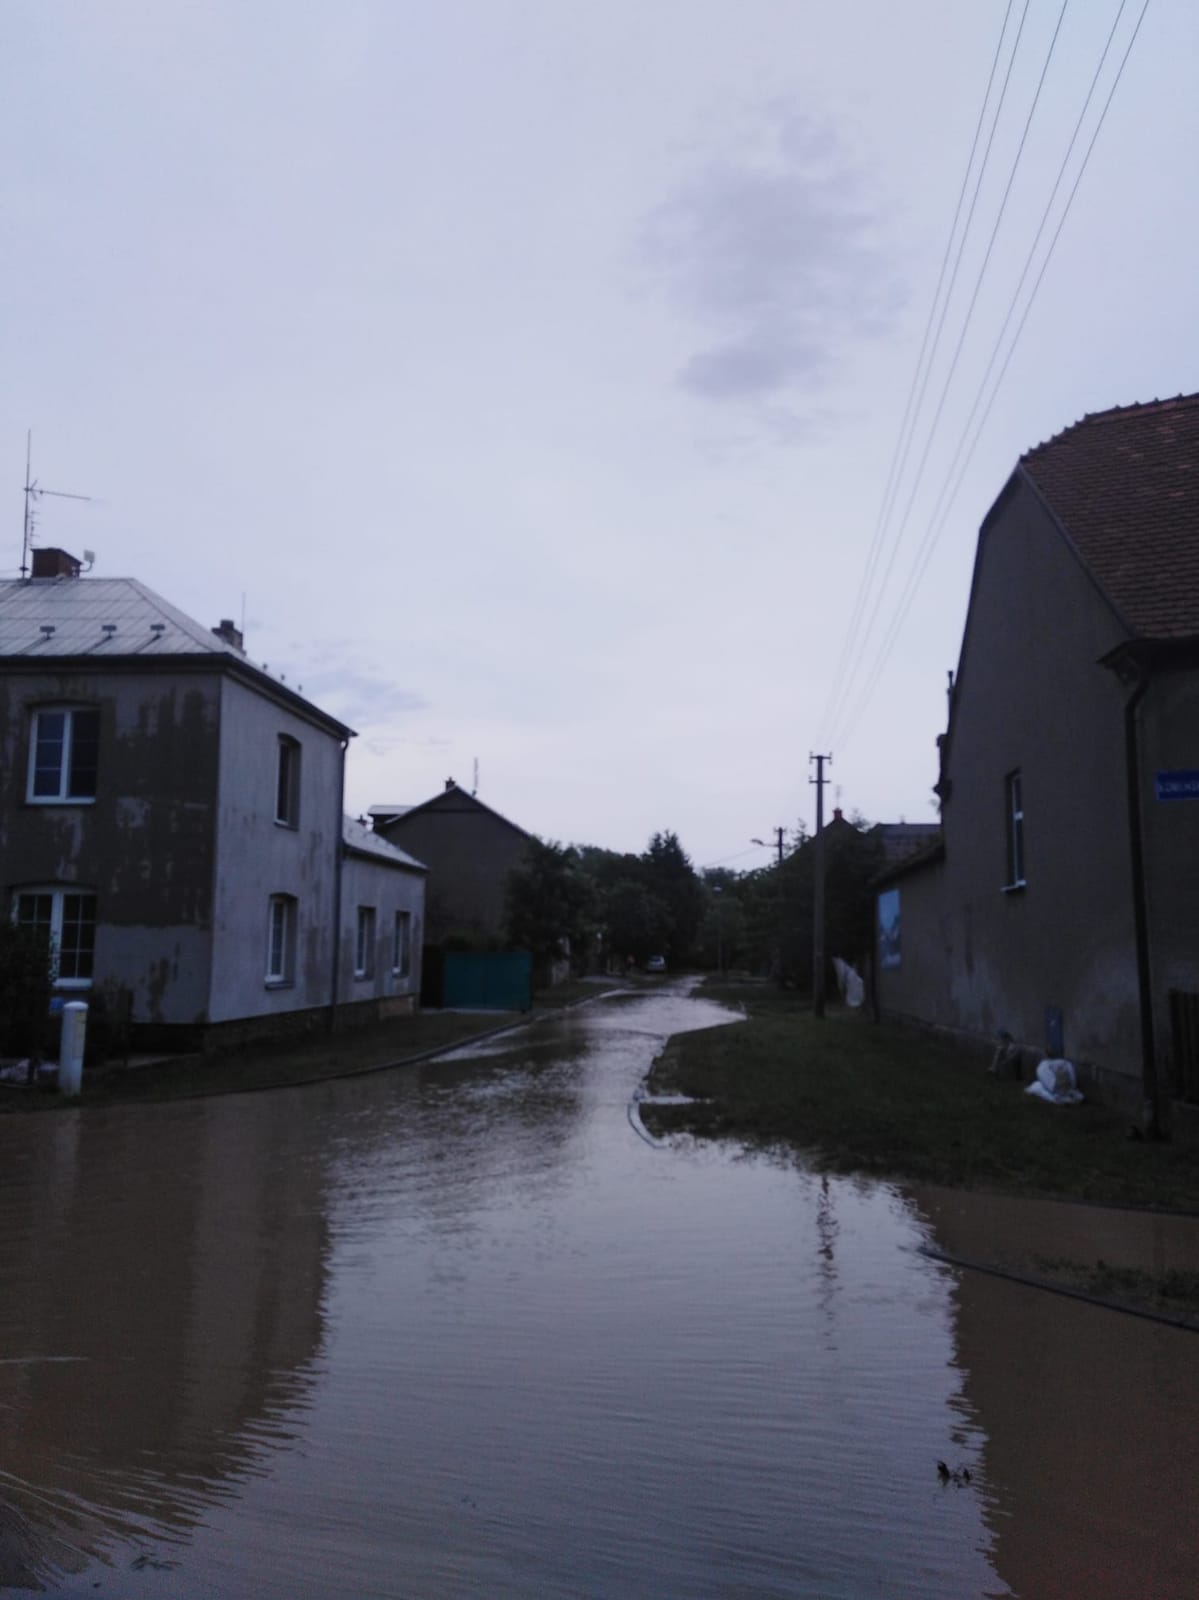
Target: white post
(70, 1050)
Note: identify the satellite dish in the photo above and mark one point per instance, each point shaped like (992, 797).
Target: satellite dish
(89, 558)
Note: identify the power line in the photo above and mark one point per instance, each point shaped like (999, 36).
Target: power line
(909, 415)
(927, 547)
(965, 328)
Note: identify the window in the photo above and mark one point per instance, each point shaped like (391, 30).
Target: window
(364, 952)
(401, 957)
(287, 783)
(64, 751)
(281, 940)
(66, 919)
(1014, 805)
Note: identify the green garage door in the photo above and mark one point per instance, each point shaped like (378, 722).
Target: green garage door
(487, 981)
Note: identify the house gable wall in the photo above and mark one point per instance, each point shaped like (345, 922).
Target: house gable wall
(257, 857)
(469, 851)
(1031, 696)
(144, 845)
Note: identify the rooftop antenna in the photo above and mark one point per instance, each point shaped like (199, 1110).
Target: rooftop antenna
(475, 789)
(33, 493)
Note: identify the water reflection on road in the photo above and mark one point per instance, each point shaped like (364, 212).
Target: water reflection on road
(456, 1330)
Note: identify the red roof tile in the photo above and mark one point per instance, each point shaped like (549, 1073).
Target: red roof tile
(1125, 486)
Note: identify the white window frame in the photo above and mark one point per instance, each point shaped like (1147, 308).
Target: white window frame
(287, 781)
(58, 894)
(281, 941)
(63, 795)
(401, 947)
(1013, 803)
(364, 944)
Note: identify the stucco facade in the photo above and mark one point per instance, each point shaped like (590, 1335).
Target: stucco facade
(171, 821)
(1026, 919)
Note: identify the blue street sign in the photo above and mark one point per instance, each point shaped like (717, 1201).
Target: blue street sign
(1178, 785)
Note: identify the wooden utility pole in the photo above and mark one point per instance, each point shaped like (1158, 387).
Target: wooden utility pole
(818, 888)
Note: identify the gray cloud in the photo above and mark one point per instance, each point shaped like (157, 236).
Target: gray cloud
(774, 252)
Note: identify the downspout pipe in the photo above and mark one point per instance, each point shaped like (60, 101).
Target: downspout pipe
(339, 860)
(1150, 1085)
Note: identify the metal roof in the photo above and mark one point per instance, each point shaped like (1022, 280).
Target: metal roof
(357, 836)
(117, 619)
(47, 617)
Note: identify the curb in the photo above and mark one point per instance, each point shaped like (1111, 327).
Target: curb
(1183, 1324)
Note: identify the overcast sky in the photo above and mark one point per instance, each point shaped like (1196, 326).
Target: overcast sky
(529, 371)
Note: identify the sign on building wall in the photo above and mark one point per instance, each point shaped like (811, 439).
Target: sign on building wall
(1182, 785)
(889, 938)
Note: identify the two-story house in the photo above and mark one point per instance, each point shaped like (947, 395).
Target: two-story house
(171, 815)
(1059, 906)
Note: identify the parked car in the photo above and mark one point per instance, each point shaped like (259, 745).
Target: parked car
(656, 964)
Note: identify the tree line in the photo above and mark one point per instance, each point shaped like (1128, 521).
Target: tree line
(610, 907)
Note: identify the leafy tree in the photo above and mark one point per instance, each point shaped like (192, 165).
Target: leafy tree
(637, 923)
(669, 875)
(549, 904)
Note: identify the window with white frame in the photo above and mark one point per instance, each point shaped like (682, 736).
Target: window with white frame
(281, 940)
(64, 755)
(1014, 808)
(287, 783)
(66, 920)
(401, 955)
(364, 950)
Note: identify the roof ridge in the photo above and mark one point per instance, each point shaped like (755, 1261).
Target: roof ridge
(1114, 414)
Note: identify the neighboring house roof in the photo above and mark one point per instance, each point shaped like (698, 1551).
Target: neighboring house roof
(120, 621)
(1124, 487)
(927, 856)
(360, 840)
(449, 802)
(902, 839)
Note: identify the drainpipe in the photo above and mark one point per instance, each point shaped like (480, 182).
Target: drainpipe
(1151, 1089)
(339, 857)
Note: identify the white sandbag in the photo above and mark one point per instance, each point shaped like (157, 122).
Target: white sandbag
(853, 990)
(1055, 1083)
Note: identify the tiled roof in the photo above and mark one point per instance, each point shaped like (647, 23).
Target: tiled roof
(366, 842)
(1125, 486)
(46, 617)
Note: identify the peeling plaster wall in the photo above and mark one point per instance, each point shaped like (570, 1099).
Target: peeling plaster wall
(389, 890)
(144, 846)
(256, 857)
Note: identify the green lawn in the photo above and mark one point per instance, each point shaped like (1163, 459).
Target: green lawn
(889, 1101)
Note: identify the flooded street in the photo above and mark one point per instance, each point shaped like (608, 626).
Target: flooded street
(457, 1330)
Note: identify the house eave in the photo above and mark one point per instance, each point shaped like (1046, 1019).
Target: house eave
(91, 665)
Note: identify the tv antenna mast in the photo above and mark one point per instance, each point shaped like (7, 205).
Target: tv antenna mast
(33, 493)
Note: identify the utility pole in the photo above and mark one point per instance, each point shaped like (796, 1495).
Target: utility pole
(818, 888)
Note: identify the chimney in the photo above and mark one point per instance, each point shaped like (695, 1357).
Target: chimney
(838, 814)
(54, 563)
(450, 784)
(226, 630)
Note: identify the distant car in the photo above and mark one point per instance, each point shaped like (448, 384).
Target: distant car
(656, 964)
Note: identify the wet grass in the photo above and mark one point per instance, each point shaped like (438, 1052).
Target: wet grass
(894, 1102)
(1171, 1293)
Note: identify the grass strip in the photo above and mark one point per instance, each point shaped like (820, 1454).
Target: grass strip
(896, 1102)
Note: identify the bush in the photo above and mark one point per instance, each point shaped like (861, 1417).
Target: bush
(25, 1026)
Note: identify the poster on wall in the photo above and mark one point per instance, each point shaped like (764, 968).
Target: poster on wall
(889, 936)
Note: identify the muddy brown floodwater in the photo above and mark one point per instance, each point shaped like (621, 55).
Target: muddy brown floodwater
(457, 1330)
